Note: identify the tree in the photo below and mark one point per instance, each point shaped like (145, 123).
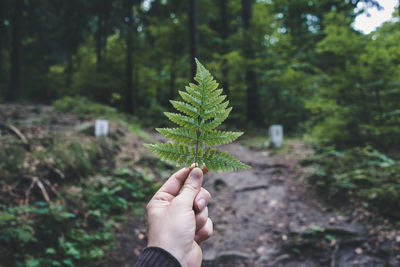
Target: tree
(16, 24)
(253, 109)
(129, 105)
(224, 34)
(194, 39)
(103, 10)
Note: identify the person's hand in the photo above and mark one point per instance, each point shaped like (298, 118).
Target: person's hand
(178, 217)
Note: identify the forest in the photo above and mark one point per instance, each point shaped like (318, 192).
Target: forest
(68, 198)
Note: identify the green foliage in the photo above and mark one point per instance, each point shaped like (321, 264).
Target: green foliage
(12, 154)
(204, 109)
(76, 230)
(88, 199)
(363, 175)
(83, 107)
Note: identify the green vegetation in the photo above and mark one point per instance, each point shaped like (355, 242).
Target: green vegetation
(362, 176)
(204, 111)
(64, 196)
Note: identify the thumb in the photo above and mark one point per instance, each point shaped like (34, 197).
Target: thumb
(191, 187)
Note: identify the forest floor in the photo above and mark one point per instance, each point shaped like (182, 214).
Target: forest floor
(265, 216)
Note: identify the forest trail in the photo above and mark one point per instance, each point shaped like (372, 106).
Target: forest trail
(265, 216)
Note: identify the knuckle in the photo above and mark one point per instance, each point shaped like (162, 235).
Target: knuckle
(190, 186)
(201, 220)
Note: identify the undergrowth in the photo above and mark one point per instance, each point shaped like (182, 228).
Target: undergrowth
(62, 197)
(360, 175)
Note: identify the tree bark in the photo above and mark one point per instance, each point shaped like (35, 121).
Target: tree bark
(13, 90)
(106, 25)
(172, 89)
(69, 71)
(129, 107)
(2, 13)
(224, 33)
(194, 38)
(253, 110)
(99, 34)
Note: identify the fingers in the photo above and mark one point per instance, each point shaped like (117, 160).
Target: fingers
(205, 170)
(173, 185)
(205, 232)
(201, 218)
(191, 188)
(201, 200)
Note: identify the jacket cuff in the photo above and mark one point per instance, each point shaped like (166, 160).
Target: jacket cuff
(156, 257)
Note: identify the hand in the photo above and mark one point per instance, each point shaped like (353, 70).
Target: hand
(173, 223)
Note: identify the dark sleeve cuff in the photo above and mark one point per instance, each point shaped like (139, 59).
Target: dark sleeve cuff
(156, 257)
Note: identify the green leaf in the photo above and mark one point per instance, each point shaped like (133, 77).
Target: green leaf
(204, 109)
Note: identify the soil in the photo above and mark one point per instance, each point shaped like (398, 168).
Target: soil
(267, 216)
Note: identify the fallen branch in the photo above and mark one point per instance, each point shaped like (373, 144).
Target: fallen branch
(36, 181)
(16, 132)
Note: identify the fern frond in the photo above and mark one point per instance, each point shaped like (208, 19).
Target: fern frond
(219, 137)
(191, 99)
(181, 135)
(204, 108)
(185, 108)
(222, 161)
(173, 153)
(182, 120)
(218, 119)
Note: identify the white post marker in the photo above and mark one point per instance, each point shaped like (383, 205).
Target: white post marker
(101, 128)
(276, 134)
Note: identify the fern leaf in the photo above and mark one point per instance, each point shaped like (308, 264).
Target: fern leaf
(204, 109)
(185, 108)
(219, 118)
(219, 137)
(222, 161)
(191, 99)
(172, 153)
(182, 120)
(182, 135)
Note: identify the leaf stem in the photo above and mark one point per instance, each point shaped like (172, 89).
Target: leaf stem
(197, 143)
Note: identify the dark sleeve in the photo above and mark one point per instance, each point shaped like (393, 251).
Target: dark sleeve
(156, 257)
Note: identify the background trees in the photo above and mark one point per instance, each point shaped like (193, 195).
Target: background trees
(299, 63)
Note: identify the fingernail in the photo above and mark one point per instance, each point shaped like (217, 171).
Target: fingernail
(201, 203)
(196, 173)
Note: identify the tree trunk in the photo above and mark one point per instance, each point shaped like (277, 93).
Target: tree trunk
(172, 89)
(68, 71)
(99, 34)
(13, 90)
(2, 13)
(106, 26)
(194, 38)
(129, 58)
(224, 33)
(253, 110)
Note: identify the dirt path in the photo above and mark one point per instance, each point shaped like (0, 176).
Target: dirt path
(266, 217)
